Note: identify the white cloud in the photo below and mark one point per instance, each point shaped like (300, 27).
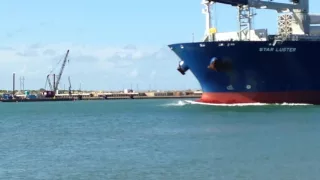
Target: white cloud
(134, 73)
(137, 55)
(23, 70)
(49, 52)
(99, 67)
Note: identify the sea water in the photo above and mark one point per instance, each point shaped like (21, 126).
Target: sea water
(158, 139)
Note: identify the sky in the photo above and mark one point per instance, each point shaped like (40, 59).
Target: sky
(113, 45)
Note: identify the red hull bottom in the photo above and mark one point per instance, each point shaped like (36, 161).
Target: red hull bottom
(261, 97)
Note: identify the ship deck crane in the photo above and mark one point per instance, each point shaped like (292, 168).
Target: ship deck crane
(299, 8)
(259, 4)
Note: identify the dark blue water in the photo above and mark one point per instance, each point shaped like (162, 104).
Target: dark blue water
(157, 139)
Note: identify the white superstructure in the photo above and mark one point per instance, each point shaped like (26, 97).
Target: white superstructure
(294, 19)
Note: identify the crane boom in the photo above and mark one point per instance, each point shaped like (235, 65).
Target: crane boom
(61, 71)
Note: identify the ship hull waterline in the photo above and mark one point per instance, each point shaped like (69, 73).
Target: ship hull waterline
(253, 72)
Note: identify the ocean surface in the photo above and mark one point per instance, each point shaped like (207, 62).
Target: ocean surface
(158, 139)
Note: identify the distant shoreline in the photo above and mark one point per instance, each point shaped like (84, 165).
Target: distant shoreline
(99, 98)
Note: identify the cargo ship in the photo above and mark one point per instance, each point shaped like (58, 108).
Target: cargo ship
(252, 66)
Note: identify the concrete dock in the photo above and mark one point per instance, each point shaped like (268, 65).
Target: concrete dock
(107, 96)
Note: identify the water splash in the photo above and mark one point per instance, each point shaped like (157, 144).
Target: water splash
(177, 103)
(245, 104)
(190, 102)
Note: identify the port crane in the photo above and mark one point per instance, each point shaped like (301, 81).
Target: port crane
(54, 88)
(70, 91)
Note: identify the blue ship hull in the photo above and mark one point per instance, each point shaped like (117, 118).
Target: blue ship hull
(249, 71)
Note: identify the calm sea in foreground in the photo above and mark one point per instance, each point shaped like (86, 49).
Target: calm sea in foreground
(158, 139)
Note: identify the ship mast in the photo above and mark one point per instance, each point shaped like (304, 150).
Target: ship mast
(245, 22)
(207, 11)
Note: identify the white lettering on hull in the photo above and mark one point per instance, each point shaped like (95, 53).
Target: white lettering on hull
(272, 49)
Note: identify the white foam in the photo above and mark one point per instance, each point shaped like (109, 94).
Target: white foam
(178, 103)
(244, 104)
